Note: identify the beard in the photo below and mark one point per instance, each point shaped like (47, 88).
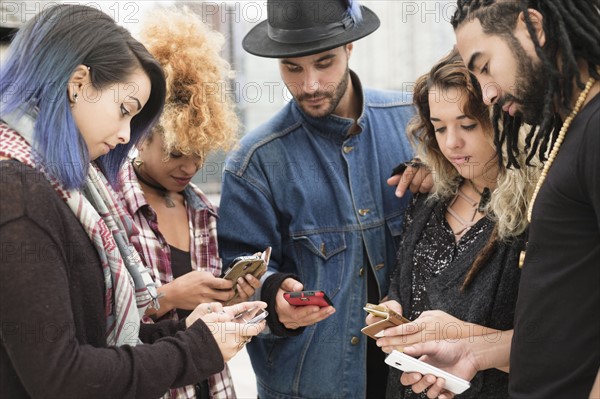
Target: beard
(331, 98)
(531, 86)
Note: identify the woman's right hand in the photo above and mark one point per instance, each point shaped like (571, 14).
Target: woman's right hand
(231, 335)
(194, 288)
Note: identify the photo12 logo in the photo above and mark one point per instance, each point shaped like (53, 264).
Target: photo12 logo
(16, 13)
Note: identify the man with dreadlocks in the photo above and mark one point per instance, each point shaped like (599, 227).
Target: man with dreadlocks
(538, 62)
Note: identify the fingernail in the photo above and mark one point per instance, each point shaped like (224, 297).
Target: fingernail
(380, 334)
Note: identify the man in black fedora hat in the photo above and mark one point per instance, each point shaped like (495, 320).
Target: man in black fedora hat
(311, 183)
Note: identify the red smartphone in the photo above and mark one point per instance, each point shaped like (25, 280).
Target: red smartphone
(302, 298)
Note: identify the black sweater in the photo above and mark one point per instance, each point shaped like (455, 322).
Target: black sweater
(52, 310)
(489, 300)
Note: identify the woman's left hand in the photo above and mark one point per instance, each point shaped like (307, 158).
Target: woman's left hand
(431, 325)
(454, 357)
(230, 334)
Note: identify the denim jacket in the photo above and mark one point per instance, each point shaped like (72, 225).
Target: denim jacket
(319, 198)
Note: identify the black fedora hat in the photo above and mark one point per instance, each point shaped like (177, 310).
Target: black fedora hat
(296, 28)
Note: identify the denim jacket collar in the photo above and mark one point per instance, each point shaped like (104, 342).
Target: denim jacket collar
(334, 126)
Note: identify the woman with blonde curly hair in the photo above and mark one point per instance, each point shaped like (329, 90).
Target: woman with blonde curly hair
(457, 271)
(177, 222)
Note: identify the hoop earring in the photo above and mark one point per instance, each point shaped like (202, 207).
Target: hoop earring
(75, 96)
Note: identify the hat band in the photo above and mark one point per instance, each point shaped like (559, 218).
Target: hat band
(308, 35)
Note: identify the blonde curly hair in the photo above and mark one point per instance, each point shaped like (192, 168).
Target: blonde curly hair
(508, 205)
(198, 117)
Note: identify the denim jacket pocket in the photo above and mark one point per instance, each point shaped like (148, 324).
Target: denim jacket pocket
(321, 261)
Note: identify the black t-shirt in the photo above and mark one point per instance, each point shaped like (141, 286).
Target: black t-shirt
(556, 346)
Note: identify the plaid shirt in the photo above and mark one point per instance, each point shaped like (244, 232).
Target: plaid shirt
(156, 254)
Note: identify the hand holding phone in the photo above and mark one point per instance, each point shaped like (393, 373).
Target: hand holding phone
(389, 319)
(242, 265)
(410, 364)
(303, 298)
(256, 265)
(251, 316)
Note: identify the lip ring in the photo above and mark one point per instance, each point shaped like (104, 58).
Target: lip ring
(460, 160)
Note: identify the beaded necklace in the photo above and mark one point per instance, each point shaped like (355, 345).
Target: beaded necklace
(559, 140)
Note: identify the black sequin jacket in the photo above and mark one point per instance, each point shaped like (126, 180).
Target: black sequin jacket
(489, 300)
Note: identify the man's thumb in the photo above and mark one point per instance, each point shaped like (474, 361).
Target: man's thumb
(289, 284)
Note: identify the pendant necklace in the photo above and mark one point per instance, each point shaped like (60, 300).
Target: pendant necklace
(165, 193)
(485, 196)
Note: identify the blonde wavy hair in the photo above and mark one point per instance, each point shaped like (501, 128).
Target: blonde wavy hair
(508, 205)
(198, 117)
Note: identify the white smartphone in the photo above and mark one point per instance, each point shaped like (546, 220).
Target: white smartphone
(260, 315)
(409, 364)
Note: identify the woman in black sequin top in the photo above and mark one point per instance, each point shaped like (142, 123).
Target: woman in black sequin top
(457, 271)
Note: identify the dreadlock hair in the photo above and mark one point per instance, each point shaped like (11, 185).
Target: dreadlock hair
(572, 30)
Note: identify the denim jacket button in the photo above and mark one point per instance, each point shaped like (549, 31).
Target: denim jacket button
(355, 340)
(361, 272)
(347, 149)
(363, 212)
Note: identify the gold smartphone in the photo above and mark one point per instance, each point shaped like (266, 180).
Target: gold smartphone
(255, 265)
(389, 319)
(243, 265)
